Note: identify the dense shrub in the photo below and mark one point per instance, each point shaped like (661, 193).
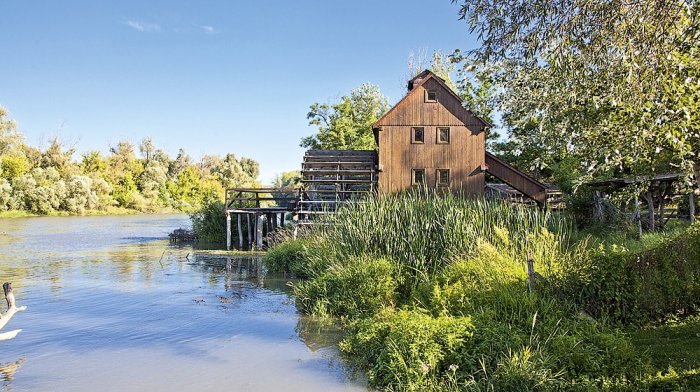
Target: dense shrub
(287, 256)
(641, 285)
(409, 349)
(209, 223)
(360, 287)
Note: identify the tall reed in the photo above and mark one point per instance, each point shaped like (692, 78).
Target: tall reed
(424, 231)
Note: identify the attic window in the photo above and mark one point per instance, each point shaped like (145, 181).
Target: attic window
(443, 177)
(417, 135)
(430, 95)
(443, 135)
(417, 176)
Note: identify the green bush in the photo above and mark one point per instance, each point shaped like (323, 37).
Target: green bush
(408, 350)
(288, 256)
(639, 286)
(358, 288)
(209, 223)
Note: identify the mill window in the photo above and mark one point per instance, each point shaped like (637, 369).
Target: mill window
(443, 177)
(417, 176)
(417, 135)
(443, 135)
(430, 95)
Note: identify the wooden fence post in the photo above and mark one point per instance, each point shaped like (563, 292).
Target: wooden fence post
(637, 215)
(652, 220)
(530, 274)
(691, 204)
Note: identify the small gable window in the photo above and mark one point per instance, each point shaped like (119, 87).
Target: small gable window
(430, 95)
(417, 135)
(443, 177)
(443, 135)
(417, 176)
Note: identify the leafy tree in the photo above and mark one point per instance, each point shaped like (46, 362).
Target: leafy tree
(5, 195)
(146, 149)
(250, 167)
(230, 173)
(49, 180)
(347, 124)
(79, 195)
(13, 165)
(124, 191)
(616, 84)
(443, 66)
(288, 179)
(58, 158)
(152, 181)
(93, 163)
(9, 136)
(181, 162)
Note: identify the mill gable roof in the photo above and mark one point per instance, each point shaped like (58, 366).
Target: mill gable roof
(397, 114)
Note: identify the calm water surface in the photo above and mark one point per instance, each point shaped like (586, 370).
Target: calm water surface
(114, 307)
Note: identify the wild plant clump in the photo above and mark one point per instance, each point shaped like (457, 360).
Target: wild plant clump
(640, 282)
(434, 292)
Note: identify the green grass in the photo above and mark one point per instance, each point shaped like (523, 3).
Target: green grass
(674, 352)
(673, 345)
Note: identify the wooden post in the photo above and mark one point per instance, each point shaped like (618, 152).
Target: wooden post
(282, 219)
(259, 232)
(11, 310)
(228, 231)
(691, 205)
(240, 232)
(637, 215)
(530, 274)
(250, 231)
(650, 203)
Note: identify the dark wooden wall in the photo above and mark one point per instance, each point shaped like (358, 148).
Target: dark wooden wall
(464, 155)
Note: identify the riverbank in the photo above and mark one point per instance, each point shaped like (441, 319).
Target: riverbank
(116, 211)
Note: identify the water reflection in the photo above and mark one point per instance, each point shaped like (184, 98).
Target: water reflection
(106, 299)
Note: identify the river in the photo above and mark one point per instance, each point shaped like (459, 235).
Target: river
(112, 306)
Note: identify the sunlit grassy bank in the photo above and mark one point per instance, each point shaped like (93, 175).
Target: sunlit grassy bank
(434, 293)
(106, 211)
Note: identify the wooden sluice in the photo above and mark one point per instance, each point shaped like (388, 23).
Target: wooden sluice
(257, 212)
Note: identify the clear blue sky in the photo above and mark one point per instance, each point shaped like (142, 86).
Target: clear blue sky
(210, 76)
